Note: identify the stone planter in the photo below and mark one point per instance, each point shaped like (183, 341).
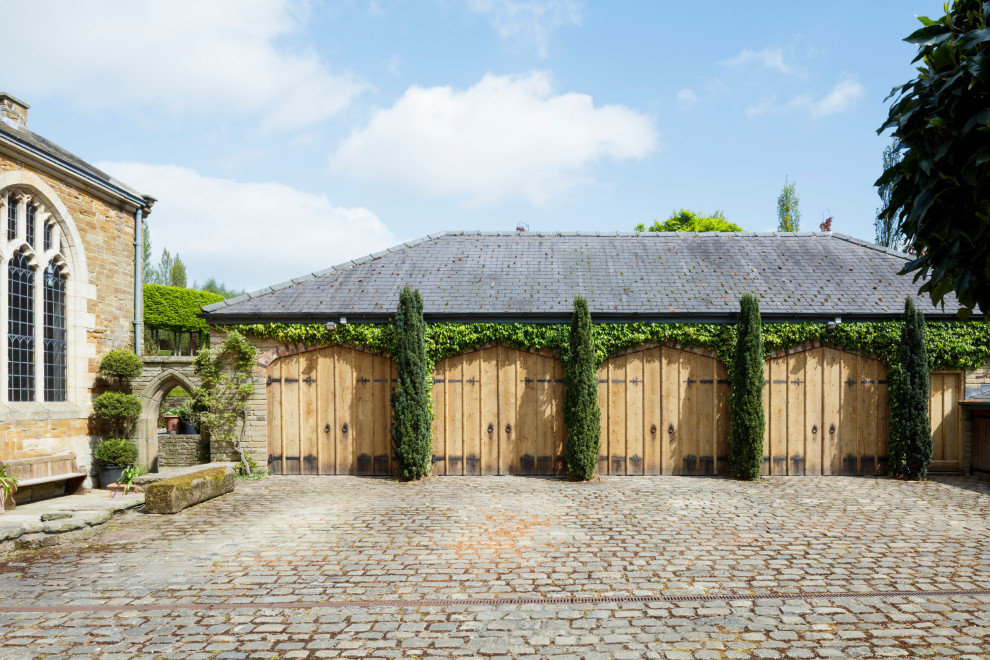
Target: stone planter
(109, 474)
(172, 424)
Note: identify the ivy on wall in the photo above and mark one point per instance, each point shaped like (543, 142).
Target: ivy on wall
(176, 308)
(951, 344)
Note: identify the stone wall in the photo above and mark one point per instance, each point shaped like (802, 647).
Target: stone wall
(175, 451)
(97, 244)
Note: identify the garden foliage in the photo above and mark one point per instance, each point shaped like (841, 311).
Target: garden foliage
(582, 415)
(910, 448)
(117, 452)
(121, 365)
(412, 417)
(226, 376)
(175, 308)
(746, 398)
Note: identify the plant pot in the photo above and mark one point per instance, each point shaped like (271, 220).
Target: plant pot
(172, 424)
(188, 428)
(122, 489)
(109, 474)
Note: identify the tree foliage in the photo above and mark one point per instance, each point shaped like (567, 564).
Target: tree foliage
(412, 424)
(226, 376)
(886, 227)
(582, 415)
(910, 446)
(746, 399)
(117, 412)
(788, 211)
(938, 192)
(176, 308)
(213, 286)
(687, 220)
(121, 364)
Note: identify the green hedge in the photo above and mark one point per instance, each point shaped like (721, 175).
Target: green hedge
(950, 344)
(176, 308)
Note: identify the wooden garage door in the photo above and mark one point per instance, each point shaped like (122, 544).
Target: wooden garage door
(498, 410)
(943, 411)
(826, 413)
(329, 413)
(664, 411)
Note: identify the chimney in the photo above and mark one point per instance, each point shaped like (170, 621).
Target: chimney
(13, 111)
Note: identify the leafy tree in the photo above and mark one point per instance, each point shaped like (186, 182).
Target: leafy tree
(938, 192)
(788, 213)
(150, 274)
(886, 227)
(911, 436)
(687, 220)
(177, 273)
(213, 286)
(226, 374)
(412, 425)
(582, 416)
(746, 399)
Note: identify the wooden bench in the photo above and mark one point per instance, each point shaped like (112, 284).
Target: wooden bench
(42, 477)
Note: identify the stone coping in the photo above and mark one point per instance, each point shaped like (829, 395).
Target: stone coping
(61, 519)
(152, 477)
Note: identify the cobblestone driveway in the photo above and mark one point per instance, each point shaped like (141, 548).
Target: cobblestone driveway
(306, 567)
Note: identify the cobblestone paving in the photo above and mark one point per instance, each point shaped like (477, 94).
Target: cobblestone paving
(281, 558)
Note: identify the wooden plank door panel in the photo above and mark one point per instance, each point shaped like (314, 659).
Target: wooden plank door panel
(945, 393)
(309, 434)
(274, 401)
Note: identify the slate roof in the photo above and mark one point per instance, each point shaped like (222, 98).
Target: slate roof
(523, 276)
(978, 399)
(38, 145)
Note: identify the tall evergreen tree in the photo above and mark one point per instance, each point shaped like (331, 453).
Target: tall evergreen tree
(746, 399)
(582, 416)
(412, 426)
(788, 213)
(912, 435)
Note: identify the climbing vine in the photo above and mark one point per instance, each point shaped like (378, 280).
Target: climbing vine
(950, 344)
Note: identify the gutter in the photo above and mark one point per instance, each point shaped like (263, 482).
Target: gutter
(77, 171)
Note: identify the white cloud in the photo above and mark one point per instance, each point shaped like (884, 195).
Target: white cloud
(505, 137)
(686, 98)
(841, 98)
(248, 235)
(528, 21)
(181, 56)
(768, 58)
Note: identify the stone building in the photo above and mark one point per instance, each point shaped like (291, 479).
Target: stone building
(324, 409)
(70, 238)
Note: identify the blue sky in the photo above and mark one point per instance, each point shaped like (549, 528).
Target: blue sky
(283, 136)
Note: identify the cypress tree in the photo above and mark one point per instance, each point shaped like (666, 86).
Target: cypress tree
(582, 416)
(912, 433)
(746, 399)
(412, 427)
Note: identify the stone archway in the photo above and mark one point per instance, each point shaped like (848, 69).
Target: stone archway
(160, 376)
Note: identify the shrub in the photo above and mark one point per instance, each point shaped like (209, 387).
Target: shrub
(121, 364)
(117, 412)
(582, 415)
(176, 308)
(911, 437)
(116, 451)
(746, 400)
(412, 425)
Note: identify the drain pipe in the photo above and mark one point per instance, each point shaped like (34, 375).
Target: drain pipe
(138, 279)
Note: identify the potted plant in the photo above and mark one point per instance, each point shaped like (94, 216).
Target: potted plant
(172, 419)
(112, 456)
(126, 481)
(187, 423)
(8, 486)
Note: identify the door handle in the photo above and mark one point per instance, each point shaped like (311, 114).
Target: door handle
(670, 429)
(491, 429)
(326, 429)
(814, 429)
(508, 428)
(344, 428)
(653, 430)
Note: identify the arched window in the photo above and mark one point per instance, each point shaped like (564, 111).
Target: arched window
(37, 298)
(20, 329)
(55, 343)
